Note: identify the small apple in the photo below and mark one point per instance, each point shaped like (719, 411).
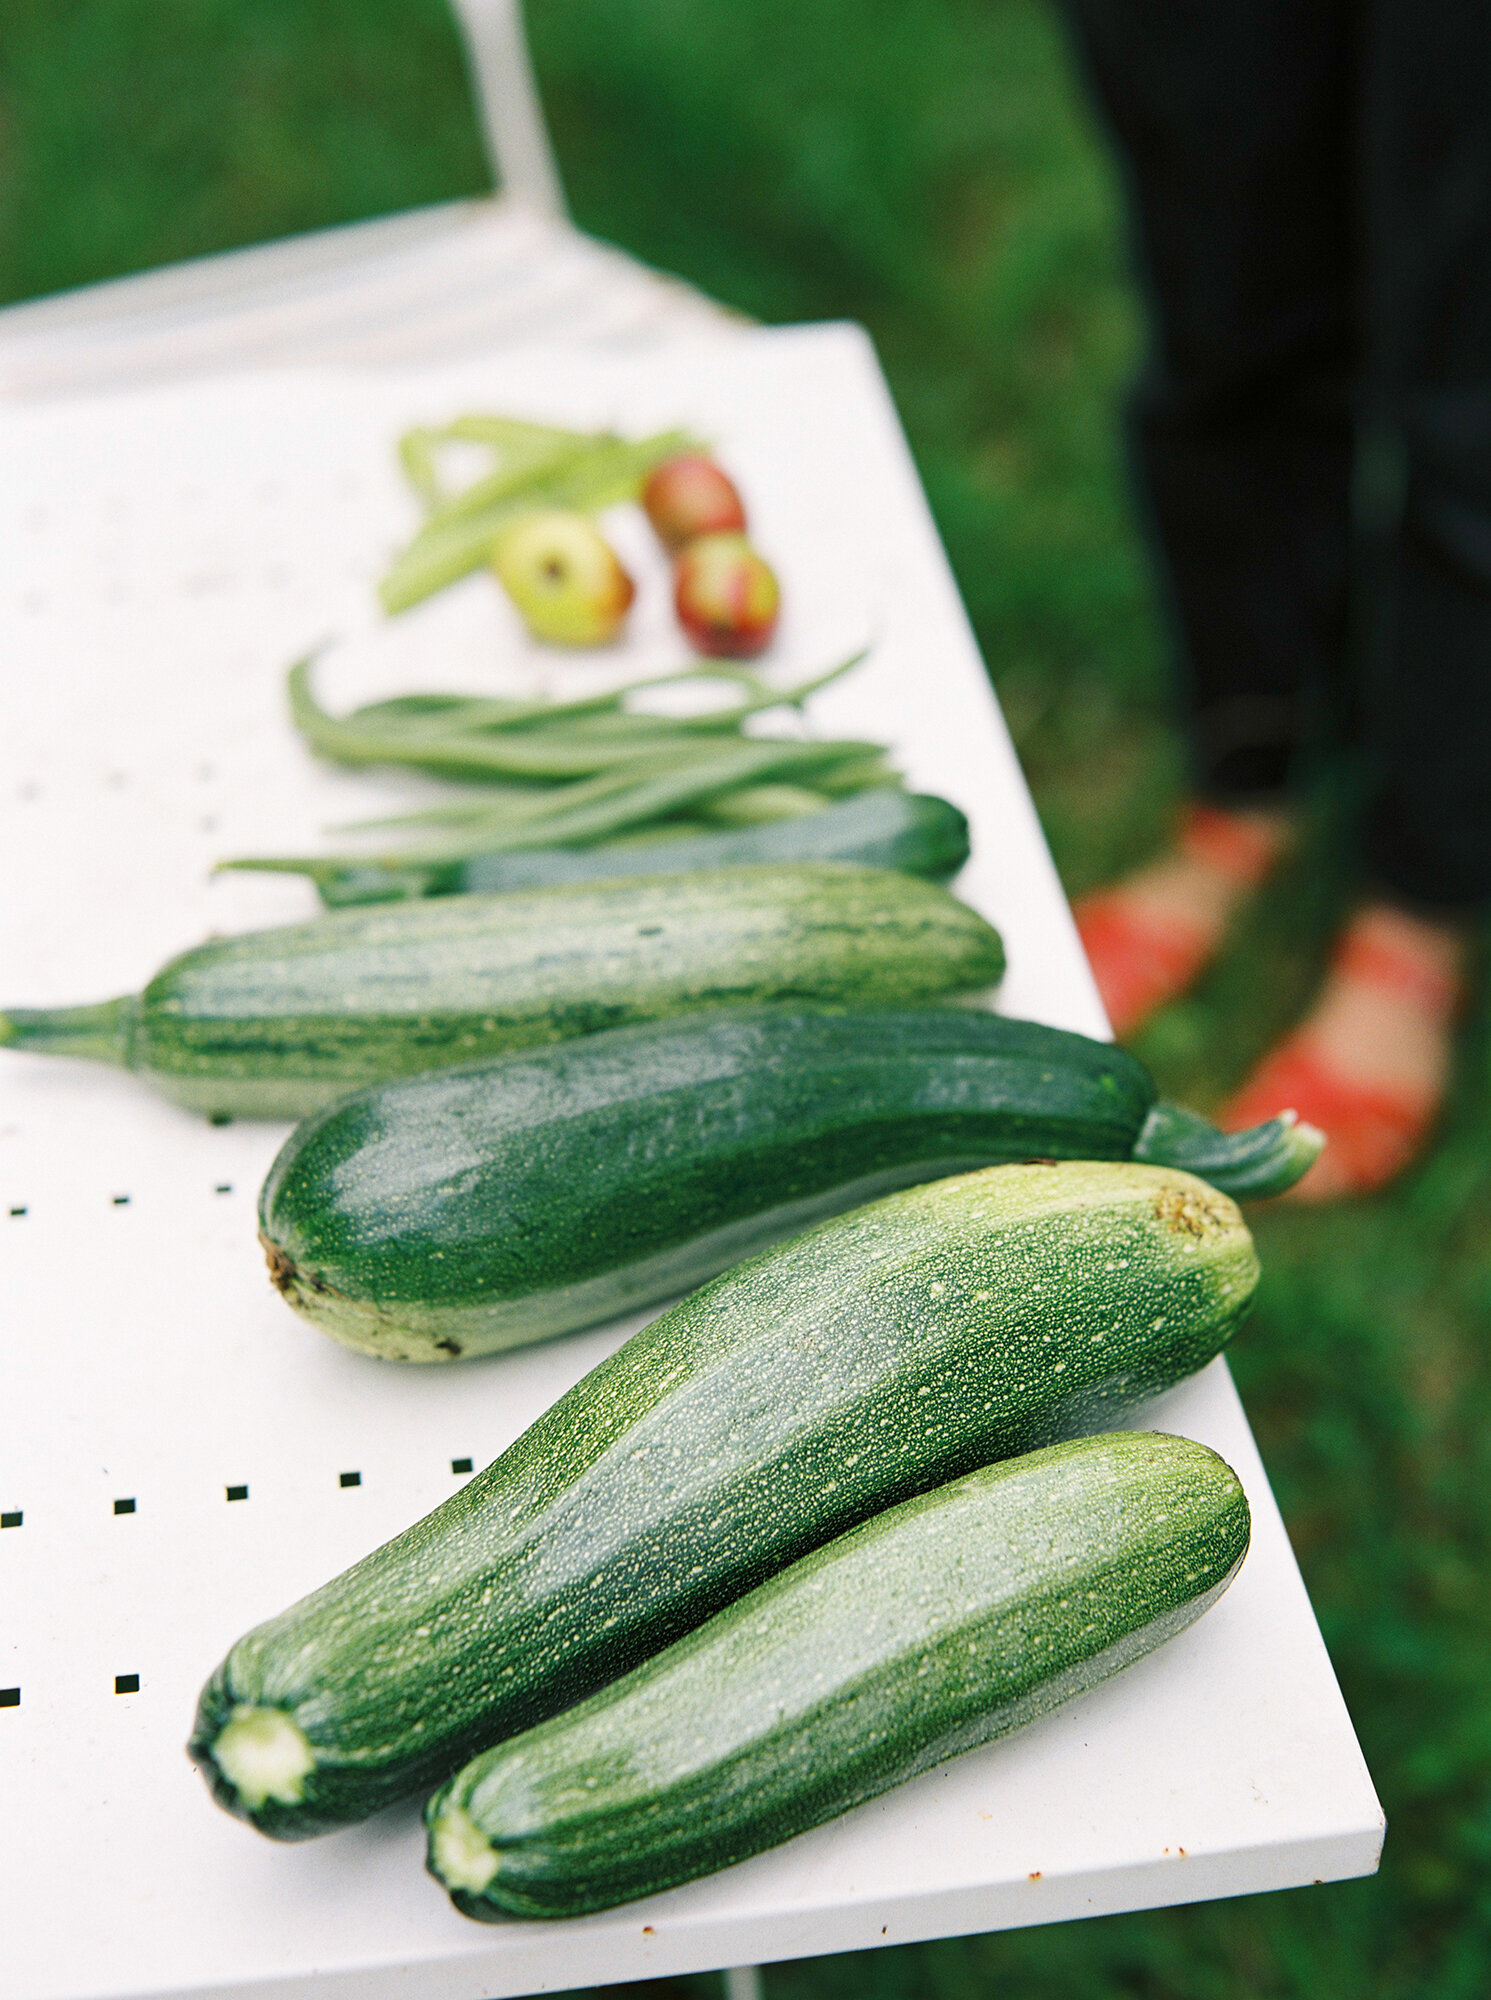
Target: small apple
(690, 496)
(564, 577)
(725, 595)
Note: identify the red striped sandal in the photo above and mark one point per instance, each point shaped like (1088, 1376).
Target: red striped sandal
(1142, 956)
(1374, 1130)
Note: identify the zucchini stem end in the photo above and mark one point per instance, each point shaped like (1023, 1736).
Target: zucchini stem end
(264, 1754)
(103, 1032)
(1250, 1165)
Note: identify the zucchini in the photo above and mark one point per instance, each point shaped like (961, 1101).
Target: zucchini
(278, 1023)
(883, 828)
(933, 1628)
(480, 1208)
(875, 1356)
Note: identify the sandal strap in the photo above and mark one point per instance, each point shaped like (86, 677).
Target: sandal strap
(1372, 1132)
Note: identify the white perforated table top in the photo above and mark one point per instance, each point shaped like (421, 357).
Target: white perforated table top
(177, 1448)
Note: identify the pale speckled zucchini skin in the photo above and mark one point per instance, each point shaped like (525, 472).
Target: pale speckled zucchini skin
(279, 1023)
(479, 1208)
(881, 1353)
(935, 1627)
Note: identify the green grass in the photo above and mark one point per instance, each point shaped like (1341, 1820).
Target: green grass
(924, 165)
(133, 132)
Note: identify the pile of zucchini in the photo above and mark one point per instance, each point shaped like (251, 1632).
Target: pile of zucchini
(837, 1515)
(797, 1500)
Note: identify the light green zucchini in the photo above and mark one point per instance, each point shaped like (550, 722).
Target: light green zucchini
(278, 1023)
(879, 1354)
(933, 1628)
(479, 1208)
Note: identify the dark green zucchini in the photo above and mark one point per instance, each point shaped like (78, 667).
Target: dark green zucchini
(504, 1202)
(935, 1627)
(884, 828)
(877, 1355)
(278, 1023)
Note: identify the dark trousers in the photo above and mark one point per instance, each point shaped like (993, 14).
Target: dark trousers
(1310, 186)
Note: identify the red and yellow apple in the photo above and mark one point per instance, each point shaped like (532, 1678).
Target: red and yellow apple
(690, 496)
(564, 577)
(726, 596)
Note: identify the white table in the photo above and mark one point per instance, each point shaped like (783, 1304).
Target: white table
(162, 556)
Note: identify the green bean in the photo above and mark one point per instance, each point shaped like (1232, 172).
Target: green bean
(462, 534)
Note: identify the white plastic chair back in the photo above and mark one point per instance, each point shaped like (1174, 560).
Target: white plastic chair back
(437, 283)
(512, 116)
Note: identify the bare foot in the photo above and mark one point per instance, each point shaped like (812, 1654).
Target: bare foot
(1150, 935)
(1371, 1061)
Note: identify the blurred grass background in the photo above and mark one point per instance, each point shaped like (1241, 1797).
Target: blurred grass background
(927, 166)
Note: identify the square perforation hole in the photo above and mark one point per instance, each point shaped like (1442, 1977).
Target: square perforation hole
(460, 1465)
(349, 1479)
(236, 1492)
(10, 1697)
(126, 1683)
(13, 1519)
(124, 1506)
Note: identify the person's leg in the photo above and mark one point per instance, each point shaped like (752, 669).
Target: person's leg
(1371, 1062)
(1426, 707)
(1233, 127)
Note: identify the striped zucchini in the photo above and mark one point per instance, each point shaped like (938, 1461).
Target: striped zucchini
(875, 1356)
(475, 1209)
(278, 1023)
(935, 1627)
(884, 828)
